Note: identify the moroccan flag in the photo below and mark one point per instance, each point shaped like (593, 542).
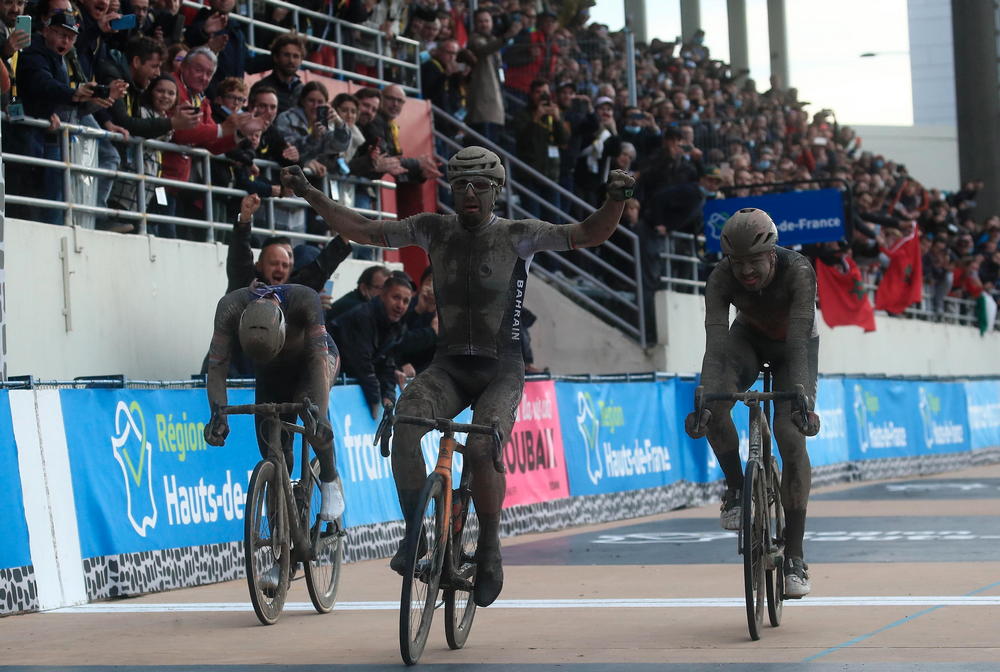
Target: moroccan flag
(842, 296)
(903, 282)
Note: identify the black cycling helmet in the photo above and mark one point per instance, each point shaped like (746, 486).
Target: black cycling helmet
(476, 162)
(262, 330)
(748, 232)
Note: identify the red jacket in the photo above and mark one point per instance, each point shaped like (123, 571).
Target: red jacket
(206, 135)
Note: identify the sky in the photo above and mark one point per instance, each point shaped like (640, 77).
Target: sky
(825, 41)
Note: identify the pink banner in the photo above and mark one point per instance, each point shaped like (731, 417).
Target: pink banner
(536, 468)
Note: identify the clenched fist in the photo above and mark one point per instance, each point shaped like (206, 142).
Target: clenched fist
(293, 178)
(621, 185)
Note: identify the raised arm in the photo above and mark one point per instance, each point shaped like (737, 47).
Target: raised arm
(349, 224)
(599, 226)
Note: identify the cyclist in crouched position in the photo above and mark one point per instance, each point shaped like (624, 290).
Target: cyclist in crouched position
(281, 328)
(480, 266)
(774, 292)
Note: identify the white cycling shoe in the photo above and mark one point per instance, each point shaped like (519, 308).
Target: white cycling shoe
(332, 506)
(732, 510)
(796, 578)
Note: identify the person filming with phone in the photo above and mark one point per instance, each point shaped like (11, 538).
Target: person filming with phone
(315, 129)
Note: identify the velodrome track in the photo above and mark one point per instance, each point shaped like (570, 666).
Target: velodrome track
(906, 576)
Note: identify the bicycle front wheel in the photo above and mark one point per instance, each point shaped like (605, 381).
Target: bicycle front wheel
(323, 569)
(425, 548)
(265, 543)
(459, 609)
(752, 534)
(776, 570)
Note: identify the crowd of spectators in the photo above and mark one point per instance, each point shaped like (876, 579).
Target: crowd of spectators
(534, 76)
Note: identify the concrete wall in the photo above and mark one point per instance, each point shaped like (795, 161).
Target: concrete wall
(897, 347)
(930, 153)
(137, 305)
(143, 307)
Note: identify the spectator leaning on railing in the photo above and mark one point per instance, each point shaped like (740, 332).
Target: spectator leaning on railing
(194, 75)
(44, 90)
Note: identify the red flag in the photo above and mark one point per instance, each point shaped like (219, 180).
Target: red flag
(903, 282)
(842, 296)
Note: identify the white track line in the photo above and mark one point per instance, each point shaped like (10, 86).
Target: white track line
(729, 602)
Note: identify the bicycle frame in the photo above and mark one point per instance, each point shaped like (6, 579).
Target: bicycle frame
(302, 544)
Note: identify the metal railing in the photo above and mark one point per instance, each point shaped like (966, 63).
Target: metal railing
(597, 282)
(392, 55)
(209, 222)
(684, 271)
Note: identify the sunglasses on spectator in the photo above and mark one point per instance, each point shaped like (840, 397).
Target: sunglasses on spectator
(479, 185)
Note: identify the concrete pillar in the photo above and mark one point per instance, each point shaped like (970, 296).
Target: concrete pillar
(690, 18)
(977, 108)
(739, 52)
(777, 34)
(635, 18)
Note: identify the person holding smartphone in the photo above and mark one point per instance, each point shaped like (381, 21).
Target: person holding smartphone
(315, 128)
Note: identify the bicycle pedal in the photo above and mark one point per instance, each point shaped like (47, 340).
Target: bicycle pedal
(458, 583)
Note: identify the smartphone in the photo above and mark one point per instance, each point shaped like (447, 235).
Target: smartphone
(101, 91)
(23, 23)
(322, 113)
(192, 108)
(126, 22)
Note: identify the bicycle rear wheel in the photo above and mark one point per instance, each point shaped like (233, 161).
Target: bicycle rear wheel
(459, 609)
(752, 536)
(775, 578)
(265, 543)
(425, 548)
(323, 570)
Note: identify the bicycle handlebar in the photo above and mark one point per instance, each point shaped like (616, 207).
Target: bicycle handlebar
(306, 409)
(389, 420)
(750, 397)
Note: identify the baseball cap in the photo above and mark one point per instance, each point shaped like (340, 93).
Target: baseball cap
(603, 100)
(65, 20)
(713, 171)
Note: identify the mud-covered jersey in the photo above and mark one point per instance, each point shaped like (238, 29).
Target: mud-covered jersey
(305, 337)
(480, 275)
(785, 310)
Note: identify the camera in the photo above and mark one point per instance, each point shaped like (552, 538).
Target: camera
(101, 91)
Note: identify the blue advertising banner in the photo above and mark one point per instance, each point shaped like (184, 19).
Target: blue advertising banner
(944, 416)
(882, 420)
(618, 436)
(699, 463)
(831, 445)
(802, 217)
(144, 478)
(14, 552)
(983, 408)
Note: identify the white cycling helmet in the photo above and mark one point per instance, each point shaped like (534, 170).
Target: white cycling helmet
(749, 231)
(476, 162)
(262, 330)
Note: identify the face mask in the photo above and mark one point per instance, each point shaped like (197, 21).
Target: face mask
(699, 40)
(763, 164)
(738, 103)
(878, 163)
(695, 117)
(633, 129)
(686, 105)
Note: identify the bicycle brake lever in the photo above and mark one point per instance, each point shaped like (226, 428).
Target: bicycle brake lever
(498, 448)
(384, 432)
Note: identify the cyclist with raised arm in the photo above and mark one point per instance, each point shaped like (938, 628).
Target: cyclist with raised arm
(774, 292)
(281, 328)
(480, 266)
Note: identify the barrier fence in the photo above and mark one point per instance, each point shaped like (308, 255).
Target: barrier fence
(111, 492)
